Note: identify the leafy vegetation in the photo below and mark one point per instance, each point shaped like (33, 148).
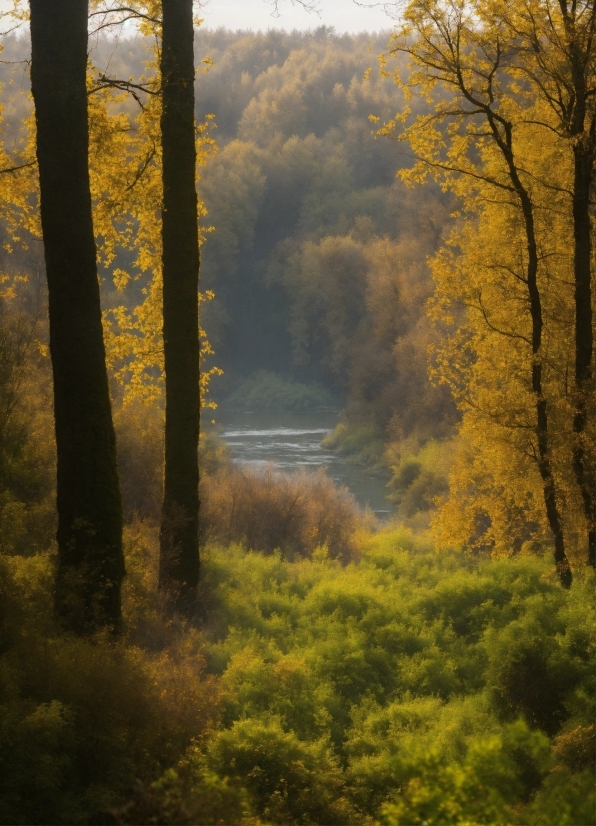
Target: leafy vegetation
(408, 686)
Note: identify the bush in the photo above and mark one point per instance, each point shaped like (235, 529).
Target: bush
(419, 478)
(288, 780)
(82, 719)
(295, 513)
(496, 773)
(532, 674)
(401, 687)
(360, 443)
(390, 669)
(184, 798)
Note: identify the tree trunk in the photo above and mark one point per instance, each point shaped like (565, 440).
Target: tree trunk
(542, 425)
(179, 538)
(545, 469)
(579, 30)
(90, 560)
(583, 171)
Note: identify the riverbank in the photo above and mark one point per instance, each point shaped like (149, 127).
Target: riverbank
(291, 441)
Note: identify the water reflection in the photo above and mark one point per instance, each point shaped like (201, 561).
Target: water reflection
(291, 441)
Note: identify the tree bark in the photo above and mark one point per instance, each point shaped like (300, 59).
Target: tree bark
(504, 140)
(582, 230)
(542, 424)
(578, 120)
(90, 559)
(179, 542)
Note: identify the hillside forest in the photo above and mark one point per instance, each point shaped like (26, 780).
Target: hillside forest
(393, 227)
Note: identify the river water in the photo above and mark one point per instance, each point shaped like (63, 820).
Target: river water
(292, 441)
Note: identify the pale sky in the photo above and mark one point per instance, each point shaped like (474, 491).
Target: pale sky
(344, 15)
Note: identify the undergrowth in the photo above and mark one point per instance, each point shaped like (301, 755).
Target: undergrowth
(408, 686)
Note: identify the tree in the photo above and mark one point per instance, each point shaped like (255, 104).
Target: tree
(179, 551)
(90, 559)
(455, 47)
(556, 52)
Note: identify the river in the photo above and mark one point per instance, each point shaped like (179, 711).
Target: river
(291, 441)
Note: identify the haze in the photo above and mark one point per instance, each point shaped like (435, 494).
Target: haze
(343, 15)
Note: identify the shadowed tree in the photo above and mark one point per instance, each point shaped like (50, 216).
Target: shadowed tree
(179, 559)
(90, 560)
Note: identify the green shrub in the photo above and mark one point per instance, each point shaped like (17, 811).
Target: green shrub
(419, 478)
(496, 773)
(288, 780)
(360, 443)
(410, 686)
(184, 798)
(531, 673)
(566, 799)
(82, 719)
(394, 664)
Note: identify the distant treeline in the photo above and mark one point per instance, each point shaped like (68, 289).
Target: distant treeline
(315, 252)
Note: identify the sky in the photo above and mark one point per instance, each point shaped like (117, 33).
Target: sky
(343, 15)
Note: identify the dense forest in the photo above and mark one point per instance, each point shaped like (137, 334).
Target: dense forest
(394, 226)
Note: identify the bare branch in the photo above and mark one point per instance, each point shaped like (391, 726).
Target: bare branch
(12, 169)
(310, 6)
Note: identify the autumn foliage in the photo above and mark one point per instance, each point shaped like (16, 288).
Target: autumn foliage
(430, 671)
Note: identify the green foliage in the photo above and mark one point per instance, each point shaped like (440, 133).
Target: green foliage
(362, 443)
(82, 719)
(419, 477)
(289, 781)
(381, 690)
(495, 774)
(185, 797)
(397, 667)
(268, 391)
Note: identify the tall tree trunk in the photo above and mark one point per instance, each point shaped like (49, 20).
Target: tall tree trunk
(504, 140)
(542, 424)
(579, 122)
(179, 559)
(582, 230)
(90, 559)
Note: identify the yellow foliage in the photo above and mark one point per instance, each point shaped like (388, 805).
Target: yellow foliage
(126, 186)
(481, 301)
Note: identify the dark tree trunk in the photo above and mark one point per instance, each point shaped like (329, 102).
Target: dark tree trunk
(90, 559)
(583, 172)
(502, 133)
(579, 122)
(179, 560)
(504, 141)
(542, 426)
